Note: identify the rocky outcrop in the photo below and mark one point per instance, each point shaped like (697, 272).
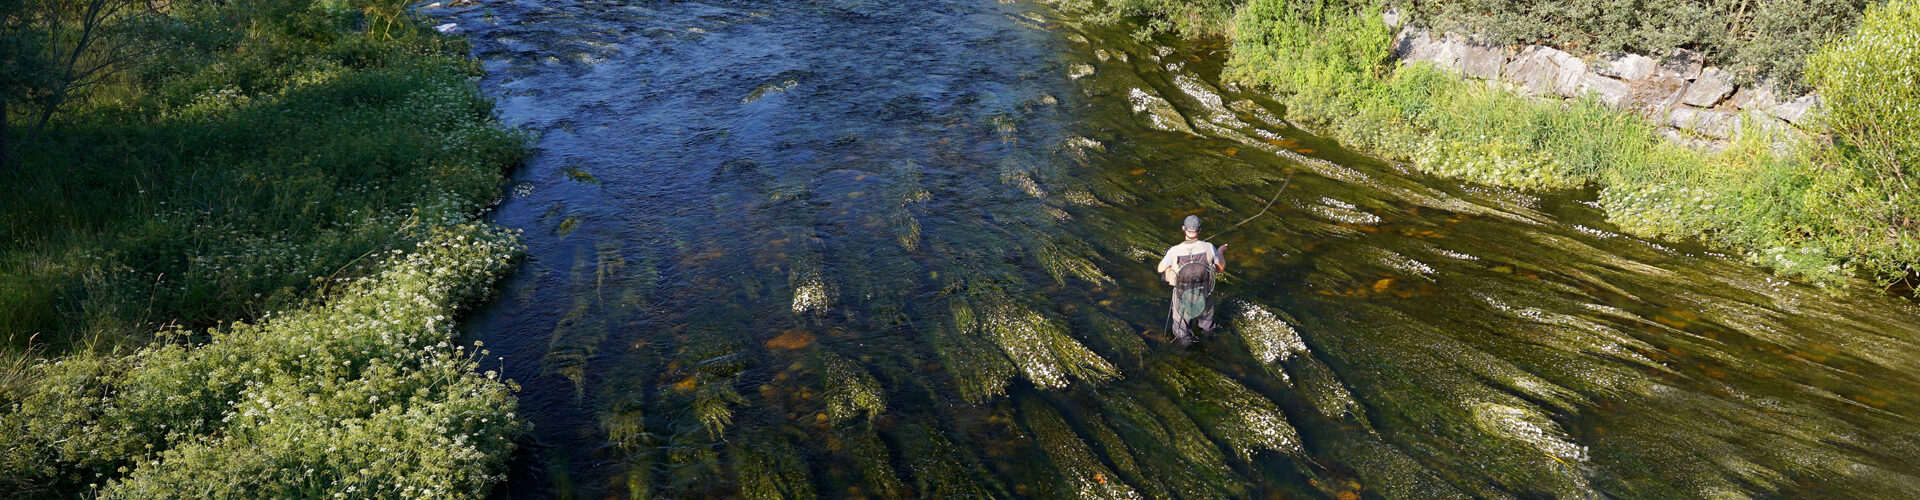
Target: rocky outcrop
(1540, 70)
(1624, 66)
(1699, 106)
(1709, 89)
(1470, 58)
(1796, 112)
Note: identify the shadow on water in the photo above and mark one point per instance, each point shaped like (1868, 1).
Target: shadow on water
(904, 249)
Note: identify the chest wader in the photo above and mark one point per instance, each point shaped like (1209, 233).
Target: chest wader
(1192, 295)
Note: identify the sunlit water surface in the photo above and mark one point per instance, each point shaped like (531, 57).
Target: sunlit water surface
(904, 249)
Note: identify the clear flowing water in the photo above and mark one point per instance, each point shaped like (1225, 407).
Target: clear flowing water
(904, 249)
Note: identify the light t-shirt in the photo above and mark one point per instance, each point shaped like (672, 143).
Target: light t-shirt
(1189, 248)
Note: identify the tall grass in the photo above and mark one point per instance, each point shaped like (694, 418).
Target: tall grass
(264, 147)
(1808, 209)
(287, 189)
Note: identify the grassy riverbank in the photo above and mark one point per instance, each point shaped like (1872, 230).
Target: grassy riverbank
(1820, 209)
(286, 192)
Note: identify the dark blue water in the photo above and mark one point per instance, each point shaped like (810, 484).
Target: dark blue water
(905, 249)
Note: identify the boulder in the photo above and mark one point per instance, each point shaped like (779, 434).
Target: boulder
(1451, 52)
(1415, 45)
(1480, 60)
(1773, 129)
(1624, 66)
(1681, 63)
(1797, 111)
(1541, 70)
(1391, 17)
(1765, 123)
(1707, 122)
(1447, 51)
(1756, 97)
(1655, 94)
(1709, 89)
(1613, 92)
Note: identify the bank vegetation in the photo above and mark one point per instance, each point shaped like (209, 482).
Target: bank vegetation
(235, 237)
(1838, 203)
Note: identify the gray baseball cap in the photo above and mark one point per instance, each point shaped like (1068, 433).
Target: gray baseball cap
(1192, 223)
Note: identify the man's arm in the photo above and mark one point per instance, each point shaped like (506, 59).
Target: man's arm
(1220, 258)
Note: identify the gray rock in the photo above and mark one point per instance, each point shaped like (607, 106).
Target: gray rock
(1797, 111)
(1783, 136)
(1709, 89)
(1765, 123)
(1452, 52)
(1391, 17)
(1681, 63)
(1532, 72)
(1624, 66)
(1414, 46)
(1541, 70)
(1707, 122)
(1654, 95)
(1758, 96)
(1447, 51)
(1613, 92)
(1482, 61)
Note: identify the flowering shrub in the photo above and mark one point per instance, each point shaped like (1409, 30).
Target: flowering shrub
(365, 396)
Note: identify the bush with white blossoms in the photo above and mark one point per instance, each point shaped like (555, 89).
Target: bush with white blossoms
(367, 395)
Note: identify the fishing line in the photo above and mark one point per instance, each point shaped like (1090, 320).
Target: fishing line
(1263, 210)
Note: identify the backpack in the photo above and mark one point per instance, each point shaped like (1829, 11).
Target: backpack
(1193, 283)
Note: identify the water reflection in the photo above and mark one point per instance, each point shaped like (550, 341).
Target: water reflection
(891, 249)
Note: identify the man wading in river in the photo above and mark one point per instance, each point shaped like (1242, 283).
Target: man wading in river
(1189, 267)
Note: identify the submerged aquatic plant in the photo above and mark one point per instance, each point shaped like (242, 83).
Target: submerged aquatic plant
(1168, 444)
(870, 456)
(768, 468)
(942, 470)
(1038, 345)
(812, 293)
(1082, 473)
(1242, 419)
(1062, 257)
(851, 391)
(1268, 336)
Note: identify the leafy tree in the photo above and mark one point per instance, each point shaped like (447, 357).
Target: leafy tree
(23, 66)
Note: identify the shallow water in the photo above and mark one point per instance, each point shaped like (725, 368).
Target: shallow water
(872, 249)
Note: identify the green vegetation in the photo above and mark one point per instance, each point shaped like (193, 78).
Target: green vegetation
(1870, 83)
(254, 150)
(364, 396)
(1813, 209)
(1753, 38)
(177, 171)
(1184, 16)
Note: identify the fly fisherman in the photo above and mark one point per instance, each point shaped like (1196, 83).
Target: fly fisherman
(1189, 267)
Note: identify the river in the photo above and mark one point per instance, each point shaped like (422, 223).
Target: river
(853, 248)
